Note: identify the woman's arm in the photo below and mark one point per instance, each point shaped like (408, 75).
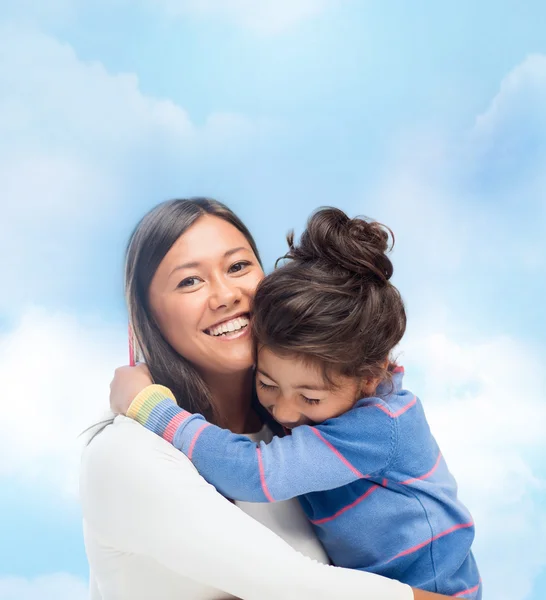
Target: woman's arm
(94, 593)
(146, 498)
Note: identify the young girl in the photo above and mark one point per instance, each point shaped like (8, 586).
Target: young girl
(359, 454)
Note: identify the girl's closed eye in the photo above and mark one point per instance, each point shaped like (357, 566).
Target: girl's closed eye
(265, 386)
(311, 400)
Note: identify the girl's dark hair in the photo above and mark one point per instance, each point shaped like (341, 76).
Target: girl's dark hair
(152, 238)
(332, 301)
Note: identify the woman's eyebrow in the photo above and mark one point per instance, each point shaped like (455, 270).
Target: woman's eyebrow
(234, 251)
(195, 263)
(189, 265)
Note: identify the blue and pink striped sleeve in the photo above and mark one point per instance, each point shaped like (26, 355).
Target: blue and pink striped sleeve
(358, 444)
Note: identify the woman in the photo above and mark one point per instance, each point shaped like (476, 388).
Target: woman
(153, 527)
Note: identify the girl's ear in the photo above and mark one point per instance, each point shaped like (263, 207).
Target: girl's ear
(369, 384)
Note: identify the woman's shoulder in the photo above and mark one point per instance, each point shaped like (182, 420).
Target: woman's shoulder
(124, 452)
(125, 441)
(124, 469)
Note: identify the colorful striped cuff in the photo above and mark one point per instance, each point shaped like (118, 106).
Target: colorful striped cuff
(154, 407)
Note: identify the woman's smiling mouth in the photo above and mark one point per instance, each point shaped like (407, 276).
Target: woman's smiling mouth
(231, 328)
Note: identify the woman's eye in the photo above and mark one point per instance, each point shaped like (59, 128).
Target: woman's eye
(310, 400)
(264, 386)
(188, 282)
(238, 266)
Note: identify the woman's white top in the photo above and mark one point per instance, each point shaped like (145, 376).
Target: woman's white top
(154, 529)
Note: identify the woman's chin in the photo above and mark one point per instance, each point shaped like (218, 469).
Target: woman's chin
(234, 358)
(232, 353)
(241, 361)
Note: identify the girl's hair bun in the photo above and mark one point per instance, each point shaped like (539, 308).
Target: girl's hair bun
(356, 245)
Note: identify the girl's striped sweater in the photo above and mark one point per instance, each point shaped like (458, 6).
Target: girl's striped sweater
(372, 481)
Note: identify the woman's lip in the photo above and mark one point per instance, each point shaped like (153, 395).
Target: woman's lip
(224, 338)
(245, 314)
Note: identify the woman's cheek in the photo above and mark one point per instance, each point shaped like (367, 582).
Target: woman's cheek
(252, 285)
(176, 326)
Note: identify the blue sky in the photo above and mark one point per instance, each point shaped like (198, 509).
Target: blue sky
(429, 117)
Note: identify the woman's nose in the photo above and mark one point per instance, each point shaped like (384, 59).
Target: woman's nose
(224, 294)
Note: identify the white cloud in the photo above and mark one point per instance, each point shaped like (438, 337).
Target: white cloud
(88, 99)
(56, 586)
(485, 405)
(422, 211)
(472, 201)
(520, 101)
(506, 152)
(265, 16)
(55, 371)
(76, 144)
(85, 112)
(460, 205)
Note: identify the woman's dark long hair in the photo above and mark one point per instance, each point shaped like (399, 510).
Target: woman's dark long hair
(152, 238)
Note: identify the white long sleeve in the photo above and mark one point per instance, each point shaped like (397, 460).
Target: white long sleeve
(94, 593)
(145, 501)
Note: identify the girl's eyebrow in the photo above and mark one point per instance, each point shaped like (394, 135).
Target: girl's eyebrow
(314, 387)
(262, 372)
(303, 386)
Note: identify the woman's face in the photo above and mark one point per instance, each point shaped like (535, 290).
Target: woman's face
(200, 296)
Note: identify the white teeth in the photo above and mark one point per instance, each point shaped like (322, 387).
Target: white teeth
(229, 326)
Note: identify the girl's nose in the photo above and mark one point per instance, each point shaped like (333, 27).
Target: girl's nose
(286, 413)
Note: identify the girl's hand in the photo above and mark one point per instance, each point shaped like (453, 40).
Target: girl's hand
(128, 382)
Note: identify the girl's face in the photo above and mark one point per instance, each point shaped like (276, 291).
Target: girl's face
(200, 296)
(295, 392)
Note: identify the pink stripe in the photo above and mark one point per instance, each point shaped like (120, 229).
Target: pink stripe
(131, 347)
(398, 370)
(173, 425)
(194, 439)
(399, 412)
(338, 454)
(346, 508)
(432, 539)
(468, 592)
(408, 481)
(262, 475)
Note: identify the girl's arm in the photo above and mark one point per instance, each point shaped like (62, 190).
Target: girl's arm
(146, 498)
(353, 446)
